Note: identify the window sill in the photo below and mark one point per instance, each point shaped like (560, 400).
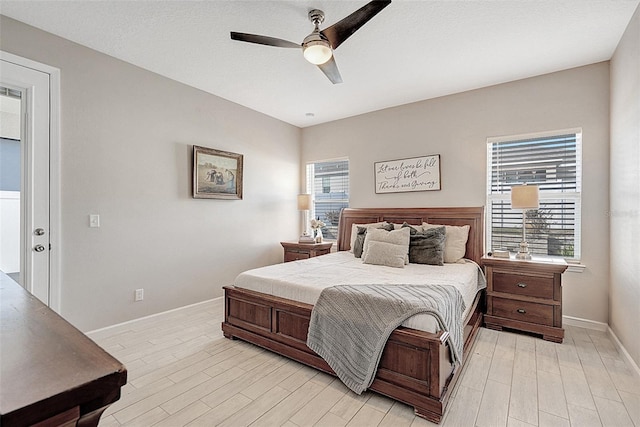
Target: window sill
(576, 268)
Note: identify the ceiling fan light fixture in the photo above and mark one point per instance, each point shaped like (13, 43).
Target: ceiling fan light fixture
(317, 47)
(317, 51)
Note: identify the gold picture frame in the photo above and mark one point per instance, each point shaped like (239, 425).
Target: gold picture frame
(216, 174)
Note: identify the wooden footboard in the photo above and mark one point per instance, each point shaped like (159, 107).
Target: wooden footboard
(415, 367)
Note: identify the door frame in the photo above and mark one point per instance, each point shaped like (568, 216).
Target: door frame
(55, 297)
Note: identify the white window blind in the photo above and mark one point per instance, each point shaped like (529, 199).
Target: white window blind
(328, 182)
(554, 163)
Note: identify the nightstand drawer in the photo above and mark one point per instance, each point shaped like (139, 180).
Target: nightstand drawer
(530, 312)
(522, 284)
(294, 251)
(294, 256)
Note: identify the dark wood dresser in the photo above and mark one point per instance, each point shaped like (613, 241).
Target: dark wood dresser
(525, 295)
(51, 374)
(294, 251)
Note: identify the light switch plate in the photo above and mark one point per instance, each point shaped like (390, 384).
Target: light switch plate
(94, 221)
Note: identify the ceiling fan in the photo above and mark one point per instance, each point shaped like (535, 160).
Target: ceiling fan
(318, 46)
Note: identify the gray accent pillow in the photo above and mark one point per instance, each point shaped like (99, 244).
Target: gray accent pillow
(412, 229)
(354, 232)
(426, 247)
(358, 244)
(455, 244)
(387, 226)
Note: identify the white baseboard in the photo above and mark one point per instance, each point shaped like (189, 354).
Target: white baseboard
(106, 328)
(624, 351)
(602, 327)
(584, 323)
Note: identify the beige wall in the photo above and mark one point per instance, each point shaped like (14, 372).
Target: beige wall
(457, 127)
(126, 137)
(624, 312)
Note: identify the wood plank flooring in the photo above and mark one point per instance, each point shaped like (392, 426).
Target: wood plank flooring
(182, 372)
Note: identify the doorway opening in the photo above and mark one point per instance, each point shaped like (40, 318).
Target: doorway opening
(10, 178)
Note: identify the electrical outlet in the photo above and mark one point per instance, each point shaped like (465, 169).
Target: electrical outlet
(139, 295)
(94, 221)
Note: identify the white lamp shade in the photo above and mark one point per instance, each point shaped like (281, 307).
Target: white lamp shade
(304, 202)
(524, 197)
(317, 52)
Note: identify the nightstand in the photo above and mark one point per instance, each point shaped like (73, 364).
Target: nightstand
(525, 295)
(294, 251)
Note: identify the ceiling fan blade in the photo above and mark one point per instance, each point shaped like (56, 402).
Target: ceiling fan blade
(266, 40)
(342, 30)
(330, 69)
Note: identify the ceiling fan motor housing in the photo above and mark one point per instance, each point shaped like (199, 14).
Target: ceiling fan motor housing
(316, 16)
(316, 47)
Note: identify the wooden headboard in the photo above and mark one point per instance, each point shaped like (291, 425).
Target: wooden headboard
(473, 216)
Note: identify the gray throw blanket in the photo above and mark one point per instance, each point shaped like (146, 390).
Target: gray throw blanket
(350, 324)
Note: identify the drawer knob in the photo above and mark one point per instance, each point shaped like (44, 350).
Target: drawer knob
(521, 310)
(522, 285)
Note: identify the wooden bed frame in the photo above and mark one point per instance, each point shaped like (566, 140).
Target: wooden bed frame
(415, 367)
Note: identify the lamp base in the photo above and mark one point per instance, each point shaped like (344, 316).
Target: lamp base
(523, 253)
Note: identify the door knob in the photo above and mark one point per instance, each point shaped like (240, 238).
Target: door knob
(38, 231)
(38, 248)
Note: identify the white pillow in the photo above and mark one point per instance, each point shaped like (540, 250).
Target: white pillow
(455, 241)
(383, 254)
(354, 231)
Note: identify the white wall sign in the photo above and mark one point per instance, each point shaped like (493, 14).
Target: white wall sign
(414, 174)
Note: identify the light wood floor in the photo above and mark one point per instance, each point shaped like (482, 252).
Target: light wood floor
(183, 372)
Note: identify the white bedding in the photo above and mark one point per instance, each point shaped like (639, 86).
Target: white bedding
(303, 280)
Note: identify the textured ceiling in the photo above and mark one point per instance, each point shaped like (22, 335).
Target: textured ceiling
(412, 50)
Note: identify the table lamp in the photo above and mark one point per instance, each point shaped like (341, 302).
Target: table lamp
(524, 197)
(304, 206)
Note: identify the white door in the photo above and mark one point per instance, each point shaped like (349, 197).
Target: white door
(30, 90)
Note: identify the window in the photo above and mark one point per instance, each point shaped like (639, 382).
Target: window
(328, 182)
(554, 163)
